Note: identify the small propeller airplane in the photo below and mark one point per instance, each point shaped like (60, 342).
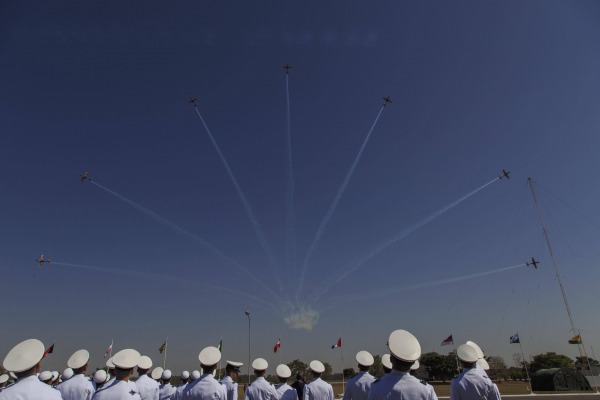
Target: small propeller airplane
(505, 173)
(41, 261)
(85, 177)
(534, 263)
(192, 101)
(287, 68)
(386, 101)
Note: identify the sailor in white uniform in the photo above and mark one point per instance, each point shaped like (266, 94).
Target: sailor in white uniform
(111, 372)
(46, 377)
(260, 389)
(67, 374)
(359, 385)
(285, 391)
(481, 363)
(146, 386)
(232, 371)
(399, 384)
(124, 361)
(100, 378)
(386, 362)
(470, 384)
(317, 389)
(185, 379)
(3, 381)
(206, 387)
(78, 387)
(25, 361)
(156, 374)
(166, 390)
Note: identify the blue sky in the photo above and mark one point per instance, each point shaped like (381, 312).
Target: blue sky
(476, 87)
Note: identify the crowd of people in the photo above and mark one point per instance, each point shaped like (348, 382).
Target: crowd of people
(27, 381)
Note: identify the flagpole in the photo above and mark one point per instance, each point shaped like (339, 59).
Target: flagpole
(220, 347)
(343, 382)
(525, 364)
(165, 359)
(110, 353)
(455, 355)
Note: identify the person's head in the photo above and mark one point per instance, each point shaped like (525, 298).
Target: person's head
(125, 362)
(157, 373)
(185, 376)
(78, 361)
(386, 363)
(233, 369)
(100, 378)
(46, 377)
(260, 366)
(317, 368)
(3, 380)
(166, 376)
(144, 365)
(467, 355)
(283, 373)
(405, 349)
(209, 358)
(300, 376)
(25, 359)
(364, 360)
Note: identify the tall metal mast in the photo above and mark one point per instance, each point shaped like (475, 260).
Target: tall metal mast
(576, 331)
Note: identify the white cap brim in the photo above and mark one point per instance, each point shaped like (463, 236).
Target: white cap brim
(145, 362)
(283, 371)
(209, 356)
(260, 364)
(24, 356)
(483, 364)
(467, 353)
(234, 363)
(386, 361)
(156, 373)
(365, 358)
(404, 346)
(126, 359)
(317, 366)
(166, 374)
(78, 359)
(476, 347)
(67, 373)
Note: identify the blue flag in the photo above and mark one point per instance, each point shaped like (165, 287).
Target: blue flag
(515, 338)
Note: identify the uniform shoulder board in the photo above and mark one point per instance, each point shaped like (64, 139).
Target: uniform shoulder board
(423, 382)
(133, 393)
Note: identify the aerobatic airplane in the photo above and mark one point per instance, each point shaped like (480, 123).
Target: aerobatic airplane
(386, 101)
(287, 68)
(41, 261)
(534, 263)
(85, 177)
(192, 101)
(505, 173)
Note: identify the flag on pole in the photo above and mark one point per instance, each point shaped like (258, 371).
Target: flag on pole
(163, 347)
(338, 344)
(575, 340)
(49, 350)
(447, 341)
(109, 349)
(220, 345)
(277, 345)
(515, 338)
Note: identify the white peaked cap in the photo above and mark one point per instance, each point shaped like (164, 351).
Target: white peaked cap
(234, 363)
(67, 373)
(126, 359)
(386, 361)
(195, 374)
(78, 359)
(45, 376)
(415, 366)
(483, 364)
(209, 356)
(404, 346)
(3, 378)
(467, 353)
(24, 356)
(12, 375)
(166, 374)
(260, 364)
(100, 376)
(317, 366)
(283, 371)
(185, 374)
(476, 347)
(364, 358)
(109, 363)
(145, 362)
(54, 375)
(156, 373)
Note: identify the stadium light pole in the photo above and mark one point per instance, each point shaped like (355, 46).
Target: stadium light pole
(248, 315)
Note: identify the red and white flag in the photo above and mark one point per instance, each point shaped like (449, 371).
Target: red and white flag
(277, 345)
(447, 341)
(338, 344)
(109, 350)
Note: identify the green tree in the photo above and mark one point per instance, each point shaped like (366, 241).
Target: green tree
(439, 367)
(298, 366)
(349, 373)
(328, 370)
(377, 367)
(550, 360)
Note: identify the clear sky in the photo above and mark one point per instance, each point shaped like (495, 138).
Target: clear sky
(176, 251)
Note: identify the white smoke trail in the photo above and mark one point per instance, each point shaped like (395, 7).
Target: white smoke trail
(401, 235)
(291, 214)
(417, 286)
(249, 212)
(333, 206)
(188, 235)
(161, 278)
